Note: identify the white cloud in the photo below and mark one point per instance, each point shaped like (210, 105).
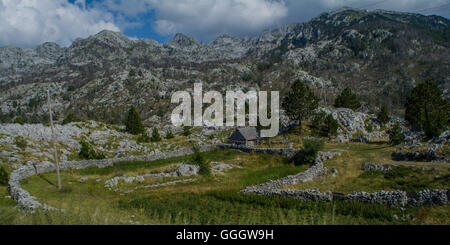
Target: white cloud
(205, 19)
(208, 18)
(26, 23)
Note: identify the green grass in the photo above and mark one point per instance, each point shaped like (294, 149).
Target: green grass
(229, 207)
(352, 178)
(215, 199)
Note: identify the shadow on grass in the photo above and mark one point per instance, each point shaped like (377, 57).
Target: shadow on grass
(47, 180)
(378, 143)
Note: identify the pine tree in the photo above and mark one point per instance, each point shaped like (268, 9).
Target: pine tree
(427, 110)
(70, 118)
(324, 125)
(170, 135)
(144, 138)
(133, 122)
(347, 99)
(383, 115)
(198, 159)
(156, 137)
(300, 103)
(396, 136)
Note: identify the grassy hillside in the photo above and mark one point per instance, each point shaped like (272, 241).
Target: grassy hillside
(216, 199)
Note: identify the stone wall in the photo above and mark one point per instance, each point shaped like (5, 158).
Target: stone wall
(29, 203)
(390, 198)
(273, 187)
(421, 156)
(285, 152)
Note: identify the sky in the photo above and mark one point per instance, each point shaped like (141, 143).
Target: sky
(28, 23)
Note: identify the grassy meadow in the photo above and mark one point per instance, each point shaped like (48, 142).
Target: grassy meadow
(216, 200)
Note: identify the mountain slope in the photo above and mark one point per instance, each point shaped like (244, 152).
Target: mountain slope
(379, 53)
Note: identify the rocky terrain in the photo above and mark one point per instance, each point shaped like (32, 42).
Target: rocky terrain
(99, 77)
(31, 143)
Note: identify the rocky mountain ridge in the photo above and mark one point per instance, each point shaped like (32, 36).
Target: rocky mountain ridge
(381, 53)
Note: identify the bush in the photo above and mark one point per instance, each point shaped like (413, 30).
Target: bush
(3, 176)
(186, 131)
(133, 122)
(88, 152)
(347, 99)
(156, 137)
(383, 115)
(324, 125)
(311, 147)
(20, 142)
(170, 135)
(144, 138)
(396, 136)
(70, 118)
(368, 125)
(199, 160)
(19, 121)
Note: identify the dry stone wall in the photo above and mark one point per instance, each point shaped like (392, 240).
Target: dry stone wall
(273, 187)
(29, 203)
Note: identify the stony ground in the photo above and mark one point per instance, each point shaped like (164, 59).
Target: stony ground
(32, 143)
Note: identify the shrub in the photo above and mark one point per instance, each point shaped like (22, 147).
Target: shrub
(368, 125)
(359, 135)
(70, 118)
(156, 137)
(198, 159)
(186, 131)
(383, 115)
(169, 135)
(20, 142)
(347, 99)
(324, 125)
(133, 122)
(19, 121)
(88, 152)
(396, 136)
(143, 138)
(132, 73)
(3, 176)
(311, 147)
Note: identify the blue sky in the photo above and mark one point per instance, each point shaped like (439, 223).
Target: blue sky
(27, 23)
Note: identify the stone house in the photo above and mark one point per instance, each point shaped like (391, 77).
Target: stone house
(244, 136)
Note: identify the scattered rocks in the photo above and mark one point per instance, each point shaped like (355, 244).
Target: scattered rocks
(116, 180)
(419, 156)
(376, 167)
(83, 179)
(165, 184)
(334, 172)
(218, 168)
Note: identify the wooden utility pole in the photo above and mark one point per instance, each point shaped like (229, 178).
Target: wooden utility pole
(54, 139)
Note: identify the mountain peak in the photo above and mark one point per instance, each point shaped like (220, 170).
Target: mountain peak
(181, 40)
(111, 38)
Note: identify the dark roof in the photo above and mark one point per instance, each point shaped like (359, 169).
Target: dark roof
(248, 133)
